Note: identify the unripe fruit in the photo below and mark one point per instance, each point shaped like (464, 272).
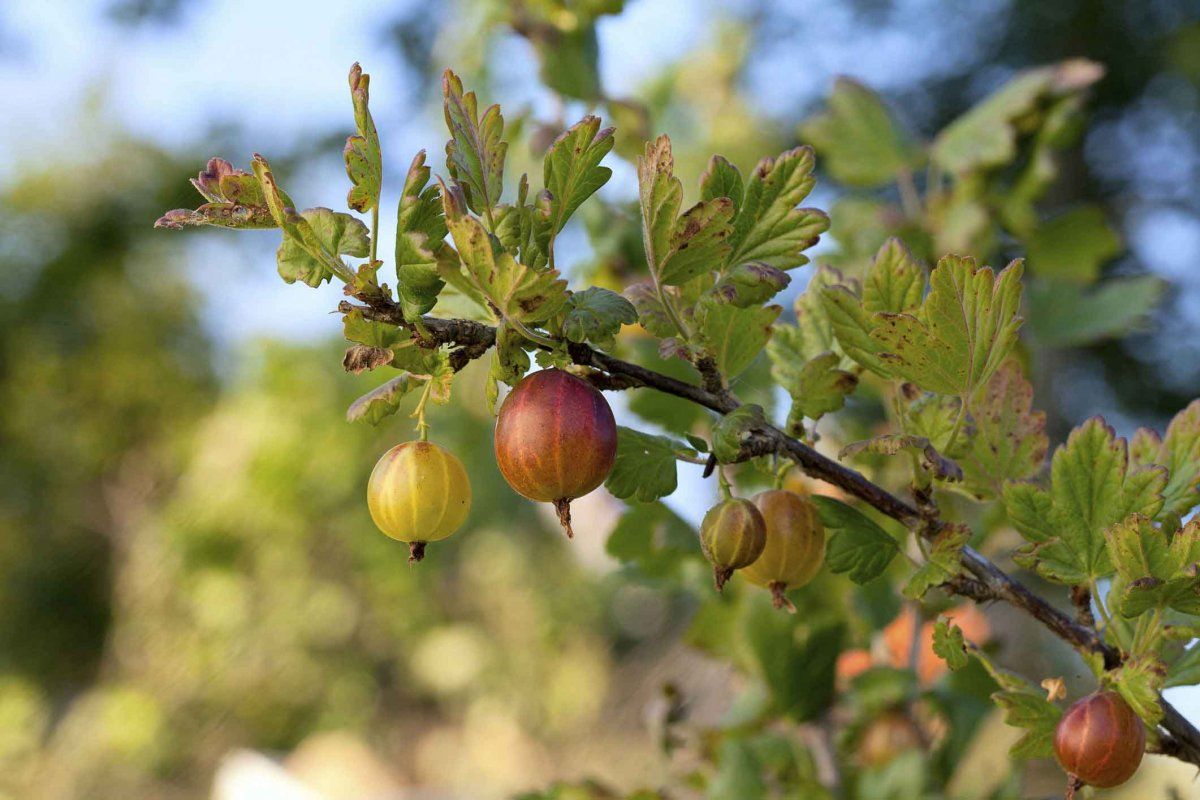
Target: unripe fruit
(732, 535)
(795, 544)
(556, 439)
(1100, 740)
(418, 493)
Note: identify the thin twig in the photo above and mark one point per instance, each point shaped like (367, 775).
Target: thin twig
(1179, 738)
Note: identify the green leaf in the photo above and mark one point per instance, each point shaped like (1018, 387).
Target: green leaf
(333, 231)
(569, 59)
(1025, 706)
(894, 283)
(1140, 681)
(596, 315)
(738, 775)
(734, 429)
(986, 136)
(364, 163)
(889, 444)
(652, 538)
(722, 179)
(571, 170)
(1185, 670)
(1179, 452)
(1009, 442)
(735, 336)
(750, 284)
(476, 149)
(645, 465)
(1093, 486)
(856, 545)
(1156, 571)
(965, 329)
(794, 656)
(817, 386)
(382, 401)
(948, 644)
(420, 229)
(944, 562)
(769, 227)
(509, 363)
(678, 248)
(651, 314)
(812, 318)
(1064, 315)
(861, 144)
(932, 416)
(1072, 247)
(517, 292)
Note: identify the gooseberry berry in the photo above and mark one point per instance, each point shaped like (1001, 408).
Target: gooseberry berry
(418, 493)
(795, 546)
(732, 535)
(1100, 740)
(556, 439)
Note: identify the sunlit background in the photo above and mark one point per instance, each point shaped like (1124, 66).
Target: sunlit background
(193, 600)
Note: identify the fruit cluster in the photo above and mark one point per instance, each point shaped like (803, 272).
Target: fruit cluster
(556, 440)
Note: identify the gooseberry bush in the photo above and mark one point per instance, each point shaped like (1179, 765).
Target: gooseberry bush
(877, 547)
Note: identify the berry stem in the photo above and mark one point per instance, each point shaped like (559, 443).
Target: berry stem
(416, 551)
(563, 506)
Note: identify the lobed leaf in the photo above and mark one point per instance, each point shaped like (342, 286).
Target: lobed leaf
(364, 162)
(596, 315)
(965, 329)
(735, 336)
(944, 562)
(1093, 486)
(644, 468)
(1156, 571)
(476, 150)
(420, 231)
(949, 645)
(769, 227)
(861, 143)
(571, 169)
(323, 232)
(1009, 442)
(516, 291)
(856, 546)
(678, 248)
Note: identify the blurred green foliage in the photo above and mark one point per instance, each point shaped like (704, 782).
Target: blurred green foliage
(186, 564)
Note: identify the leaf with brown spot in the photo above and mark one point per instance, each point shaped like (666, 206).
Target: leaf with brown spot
(678, 248)
(965, 328)
(360, 358)
(1009, 442)
(518, 292)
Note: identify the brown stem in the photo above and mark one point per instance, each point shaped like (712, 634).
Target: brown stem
(1179, 738)
(563, 506)
(416, 551)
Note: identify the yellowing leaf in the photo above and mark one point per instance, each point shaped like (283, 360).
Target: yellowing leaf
(966, 327)
(364, 163)
(1009, 441)
(516, 291)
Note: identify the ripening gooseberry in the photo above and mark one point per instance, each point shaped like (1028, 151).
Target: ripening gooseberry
(732, 535)
(1100, 740)
(556, 439)
(418, 493)
(795, 546)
